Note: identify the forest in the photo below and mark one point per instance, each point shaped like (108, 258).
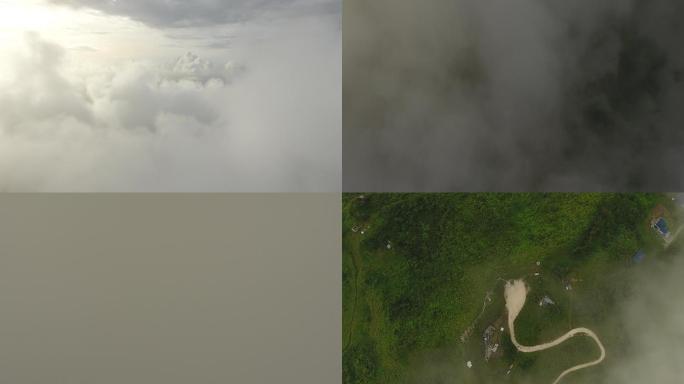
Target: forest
(422, 273)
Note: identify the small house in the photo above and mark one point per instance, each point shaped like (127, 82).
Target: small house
(546, 300)
(660, 225)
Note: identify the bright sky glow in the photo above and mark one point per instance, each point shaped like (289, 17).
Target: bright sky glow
(89, 35)
(20, 15)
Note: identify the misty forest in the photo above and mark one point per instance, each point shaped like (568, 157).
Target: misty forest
(424, 276)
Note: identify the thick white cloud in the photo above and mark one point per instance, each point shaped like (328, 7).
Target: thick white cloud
(268, 122)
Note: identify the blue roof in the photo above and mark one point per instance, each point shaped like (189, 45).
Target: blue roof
(639, 256)
(662, 226)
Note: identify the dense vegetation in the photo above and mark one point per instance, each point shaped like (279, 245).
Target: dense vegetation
(418, 267)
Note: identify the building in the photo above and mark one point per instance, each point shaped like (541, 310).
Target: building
(492, 340)
(546, 300)
(660, 226)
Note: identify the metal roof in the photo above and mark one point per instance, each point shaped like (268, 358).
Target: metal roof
(662, 226)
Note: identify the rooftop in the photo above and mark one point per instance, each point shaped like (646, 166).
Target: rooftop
(661, 226)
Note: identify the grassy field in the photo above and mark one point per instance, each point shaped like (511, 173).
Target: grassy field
(423, 278)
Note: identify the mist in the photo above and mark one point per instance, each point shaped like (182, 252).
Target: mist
(534, 95)
(653, 319)
(169, 288)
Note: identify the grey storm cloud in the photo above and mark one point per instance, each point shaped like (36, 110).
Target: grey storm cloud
(512, 95)
(178, 13)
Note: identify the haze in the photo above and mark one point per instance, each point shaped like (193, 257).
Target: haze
(169, 288)
(493, 95)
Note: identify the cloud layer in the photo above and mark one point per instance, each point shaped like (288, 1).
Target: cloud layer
(269, 122)
(527, 95)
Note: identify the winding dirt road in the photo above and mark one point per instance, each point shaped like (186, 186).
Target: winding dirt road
(515, 293)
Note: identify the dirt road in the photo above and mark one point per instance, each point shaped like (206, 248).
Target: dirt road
(515, 293)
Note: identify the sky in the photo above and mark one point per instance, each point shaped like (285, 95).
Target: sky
(496, 95)
(150, 95)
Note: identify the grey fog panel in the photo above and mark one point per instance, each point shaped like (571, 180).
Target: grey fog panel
(532, 95)
(170, 288)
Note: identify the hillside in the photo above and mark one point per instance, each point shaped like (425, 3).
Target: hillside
(423, 278)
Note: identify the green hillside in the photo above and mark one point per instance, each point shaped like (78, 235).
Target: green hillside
(423, 278)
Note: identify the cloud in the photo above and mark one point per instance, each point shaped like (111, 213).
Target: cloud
(653, 318)
(84, 48)
(497, 95)
(203, 12)
(39, 91)
(270, 123)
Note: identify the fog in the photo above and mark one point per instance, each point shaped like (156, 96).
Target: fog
(515, 96)
(653, 319)
(169, 288)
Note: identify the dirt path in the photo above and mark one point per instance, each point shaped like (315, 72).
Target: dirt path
(515, 293)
